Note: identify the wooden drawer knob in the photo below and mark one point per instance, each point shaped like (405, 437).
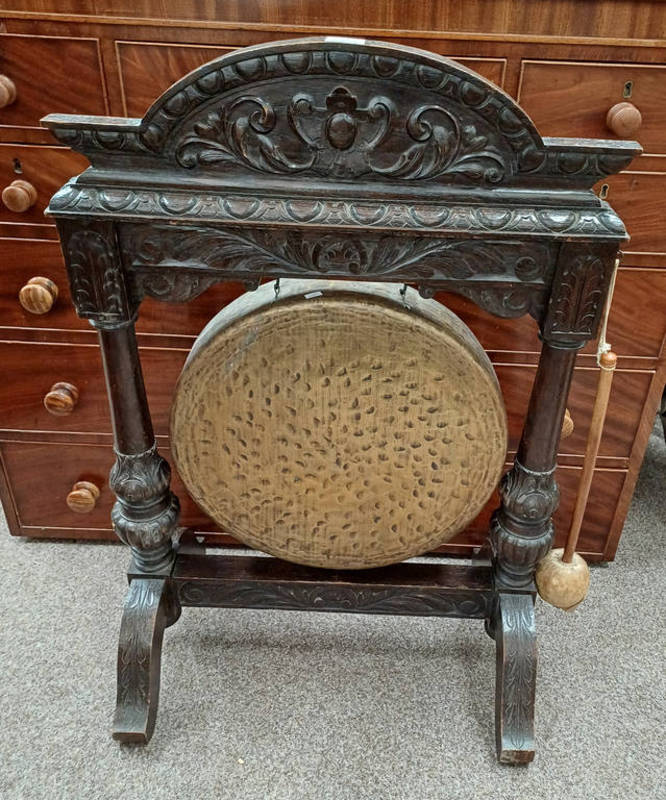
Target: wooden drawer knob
(83, 497)
(61, 399)
(624, 119)
(38, 295)
(19, 196)
(7, 91)
(567, 425)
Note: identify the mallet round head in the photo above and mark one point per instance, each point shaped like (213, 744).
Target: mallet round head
(563, 585)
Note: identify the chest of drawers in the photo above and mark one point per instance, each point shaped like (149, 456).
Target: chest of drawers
(565, 70)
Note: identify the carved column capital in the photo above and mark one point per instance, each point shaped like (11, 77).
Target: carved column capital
(97, 281)
(578, 292)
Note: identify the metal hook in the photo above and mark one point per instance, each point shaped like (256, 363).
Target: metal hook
(276, 288)
(403, 294)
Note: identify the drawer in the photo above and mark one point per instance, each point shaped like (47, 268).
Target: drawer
(568, 98)
(45, 168)
(35, 367)
(40, 475)
(23, 259)
(147, 70)
(631, 334)
(639, 198)
(41, 69)
(628, 395)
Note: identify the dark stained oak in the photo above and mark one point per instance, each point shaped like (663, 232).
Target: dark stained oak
(337, 158)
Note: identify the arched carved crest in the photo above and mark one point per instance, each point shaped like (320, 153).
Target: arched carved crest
(341, 109)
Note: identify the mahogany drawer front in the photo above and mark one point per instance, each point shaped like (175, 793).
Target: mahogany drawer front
(148, 69)
(36, 367)
(572, 98)
(51, 74)
(40, 475)
(46, 168)
(23, 259)
(628, 395)
(639, 198)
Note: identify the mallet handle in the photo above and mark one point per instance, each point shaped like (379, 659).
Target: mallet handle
(607, 363)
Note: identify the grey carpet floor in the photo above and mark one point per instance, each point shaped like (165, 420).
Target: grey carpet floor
(285, 705)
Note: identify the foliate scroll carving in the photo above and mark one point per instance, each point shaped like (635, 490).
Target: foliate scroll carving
(527, 495)
(135, 652)
(150, 607)
(578, 293)
(178, 264)
(340, 138)
(146, 511)
(360, 599)
(97, 281)
(516, 677)
(521, 531)
(342, 113)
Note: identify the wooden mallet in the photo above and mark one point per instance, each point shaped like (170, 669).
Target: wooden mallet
(562, 576)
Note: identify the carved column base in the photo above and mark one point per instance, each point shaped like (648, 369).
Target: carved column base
(521, 531)
(515, 639)
(145, 515)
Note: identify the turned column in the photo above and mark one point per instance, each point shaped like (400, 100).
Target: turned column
(521, 530)
(145, 514)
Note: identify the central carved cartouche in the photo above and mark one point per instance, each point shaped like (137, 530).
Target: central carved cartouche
(341, 126)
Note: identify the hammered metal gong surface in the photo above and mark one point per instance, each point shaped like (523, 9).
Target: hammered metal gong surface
(342, 425)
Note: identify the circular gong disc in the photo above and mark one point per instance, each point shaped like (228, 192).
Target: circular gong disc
(341, 425)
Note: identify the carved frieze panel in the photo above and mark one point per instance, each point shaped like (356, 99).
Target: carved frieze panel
(177, 264)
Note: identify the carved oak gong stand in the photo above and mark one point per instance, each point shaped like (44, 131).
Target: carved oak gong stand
(339, 158)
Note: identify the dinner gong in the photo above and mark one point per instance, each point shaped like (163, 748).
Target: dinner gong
(339, 424)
